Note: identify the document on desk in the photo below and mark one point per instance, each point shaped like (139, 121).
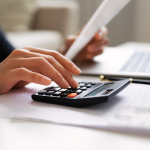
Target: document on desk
(128, 111)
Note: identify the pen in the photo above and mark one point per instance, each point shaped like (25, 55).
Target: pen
(109, 78)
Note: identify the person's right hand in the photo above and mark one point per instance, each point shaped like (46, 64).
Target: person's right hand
(36, 65)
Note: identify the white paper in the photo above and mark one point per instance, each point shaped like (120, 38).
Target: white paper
(103, 15)
(137, 117)
(18, 104)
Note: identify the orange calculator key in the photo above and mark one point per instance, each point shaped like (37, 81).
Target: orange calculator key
(72, 95)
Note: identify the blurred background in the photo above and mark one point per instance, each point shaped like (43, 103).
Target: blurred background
(46, 23)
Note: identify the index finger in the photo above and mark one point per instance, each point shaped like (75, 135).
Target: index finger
(65, 62)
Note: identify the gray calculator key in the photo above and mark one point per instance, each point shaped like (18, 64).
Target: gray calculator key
(63, 90)
(79, 91)
(92, 83)
(63, 94)
(49, 93)
(53, 89)
(89, 85)
(56, 93)
(42, 92)
(83, 88)
(82, 84)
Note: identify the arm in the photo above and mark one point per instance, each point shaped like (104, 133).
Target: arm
(5, 47)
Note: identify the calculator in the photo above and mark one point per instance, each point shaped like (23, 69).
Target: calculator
(88, 93)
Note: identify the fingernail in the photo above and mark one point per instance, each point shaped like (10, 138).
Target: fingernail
(76, 70)
(46, 81)
(65, 85)
(99, 36)
(74, 83)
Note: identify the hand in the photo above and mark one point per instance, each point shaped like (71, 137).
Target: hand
(93, 48)
(36, 65)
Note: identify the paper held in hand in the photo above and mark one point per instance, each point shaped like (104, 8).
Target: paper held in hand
(104, 14)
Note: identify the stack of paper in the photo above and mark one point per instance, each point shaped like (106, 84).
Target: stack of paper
(128, 111)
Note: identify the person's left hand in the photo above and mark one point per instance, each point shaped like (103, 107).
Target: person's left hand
(93, 48)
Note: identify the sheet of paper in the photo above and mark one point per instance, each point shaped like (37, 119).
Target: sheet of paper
(138, 117)
(132, 119)
(103, 15)
(18, 104)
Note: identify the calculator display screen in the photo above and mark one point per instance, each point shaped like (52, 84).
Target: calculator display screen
(97, 91)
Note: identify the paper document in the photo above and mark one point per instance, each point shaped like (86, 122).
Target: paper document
(136, 117)
(18, 104)
(104, 14)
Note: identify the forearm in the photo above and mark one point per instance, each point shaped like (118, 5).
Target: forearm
(5, 47)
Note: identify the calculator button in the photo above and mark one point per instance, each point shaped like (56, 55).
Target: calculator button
(42, 92)
(87, 82)
(69, 88)
(92, 83)
(89, 85)
(63, 94)
(82, 84)
(49, 93)
(53, 89)
(83, 88)
(63, 90)
(68, 91)
(72, 95)
(56, 93)
(79, 91)
(73, 90)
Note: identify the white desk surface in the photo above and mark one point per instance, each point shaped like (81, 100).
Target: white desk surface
(24, 135)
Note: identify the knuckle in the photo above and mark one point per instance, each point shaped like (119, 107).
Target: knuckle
(55, 53)
(57, 75)
(40, 61)
(67, 73)
(11, 61)
(27, 47)
(51, 59)
(33, 77)
(20, 72)
(17, 52)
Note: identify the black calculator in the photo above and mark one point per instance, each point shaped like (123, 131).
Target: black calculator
(88, 93)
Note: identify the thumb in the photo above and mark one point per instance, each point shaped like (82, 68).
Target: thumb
(70, 40)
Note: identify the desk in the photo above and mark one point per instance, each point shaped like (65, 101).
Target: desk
(23, 135)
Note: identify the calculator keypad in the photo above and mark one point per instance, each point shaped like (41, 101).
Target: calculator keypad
(88, 93)
(57, 91)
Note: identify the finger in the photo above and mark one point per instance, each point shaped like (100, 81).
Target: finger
(104, 30)
(96, 45)
(32, 64)
(51, 69)
(28, 76)
(101, 34)
(66, 63)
